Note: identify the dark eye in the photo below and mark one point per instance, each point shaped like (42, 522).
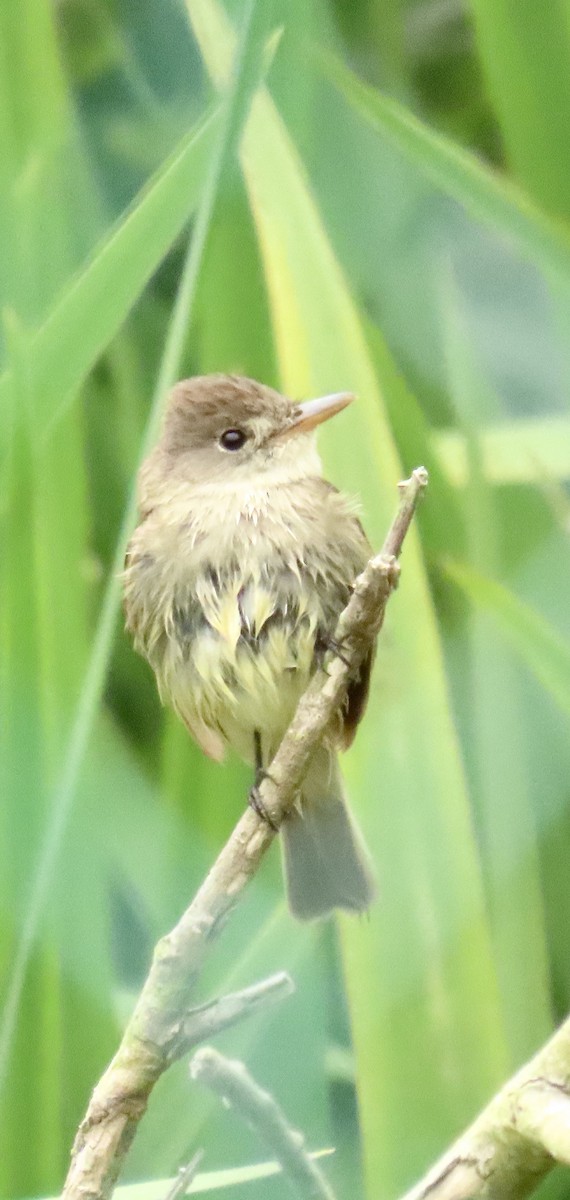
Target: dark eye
(233, 439)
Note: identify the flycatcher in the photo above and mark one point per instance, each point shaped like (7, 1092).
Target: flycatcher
(234, 581)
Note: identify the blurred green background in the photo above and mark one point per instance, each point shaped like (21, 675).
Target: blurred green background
(397, 223)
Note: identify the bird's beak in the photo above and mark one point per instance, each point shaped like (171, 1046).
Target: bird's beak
(312, 412)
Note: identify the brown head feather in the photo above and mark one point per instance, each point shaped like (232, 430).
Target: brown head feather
(199, 409)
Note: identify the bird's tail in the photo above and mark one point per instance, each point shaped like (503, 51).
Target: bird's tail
(326, 862)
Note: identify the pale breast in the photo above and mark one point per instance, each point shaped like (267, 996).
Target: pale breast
(231, 607)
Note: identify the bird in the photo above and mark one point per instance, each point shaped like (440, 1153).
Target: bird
(243, 558)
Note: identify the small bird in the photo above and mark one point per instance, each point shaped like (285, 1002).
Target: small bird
(234, 580)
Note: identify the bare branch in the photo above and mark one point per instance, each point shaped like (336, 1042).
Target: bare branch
(154, 1030)
(516, 1140)
(207, 1020)
(231, 1080)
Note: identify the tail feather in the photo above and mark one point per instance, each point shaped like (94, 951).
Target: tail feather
(326, 862)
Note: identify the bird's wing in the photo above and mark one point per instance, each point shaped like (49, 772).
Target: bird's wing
(357, 694)
(357, 698)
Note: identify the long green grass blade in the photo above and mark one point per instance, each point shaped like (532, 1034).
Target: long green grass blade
(46, 188)
(97, 301)
(498, 776)
(485, 195)
(524, 450)
(525, 49)
(44, 184)
(540, 647)
(23, 776)
(58, 1030)
(416, 812)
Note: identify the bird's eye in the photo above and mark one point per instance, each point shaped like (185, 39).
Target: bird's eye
(233, 439)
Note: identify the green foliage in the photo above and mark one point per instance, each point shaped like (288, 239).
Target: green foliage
(357, 240)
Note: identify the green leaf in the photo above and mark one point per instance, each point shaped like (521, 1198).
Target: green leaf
(23, 784)
(538, 645)
(525, 50)
(486, 195)
(47, 192)
(502, 796)
(523, 450)
(97, 301)
(51, 1031)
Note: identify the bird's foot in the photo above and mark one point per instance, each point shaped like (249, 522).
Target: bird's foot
(256, 803)
(328, 644)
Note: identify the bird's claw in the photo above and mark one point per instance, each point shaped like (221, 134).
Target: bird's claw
(256, 803)
(332, 646)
